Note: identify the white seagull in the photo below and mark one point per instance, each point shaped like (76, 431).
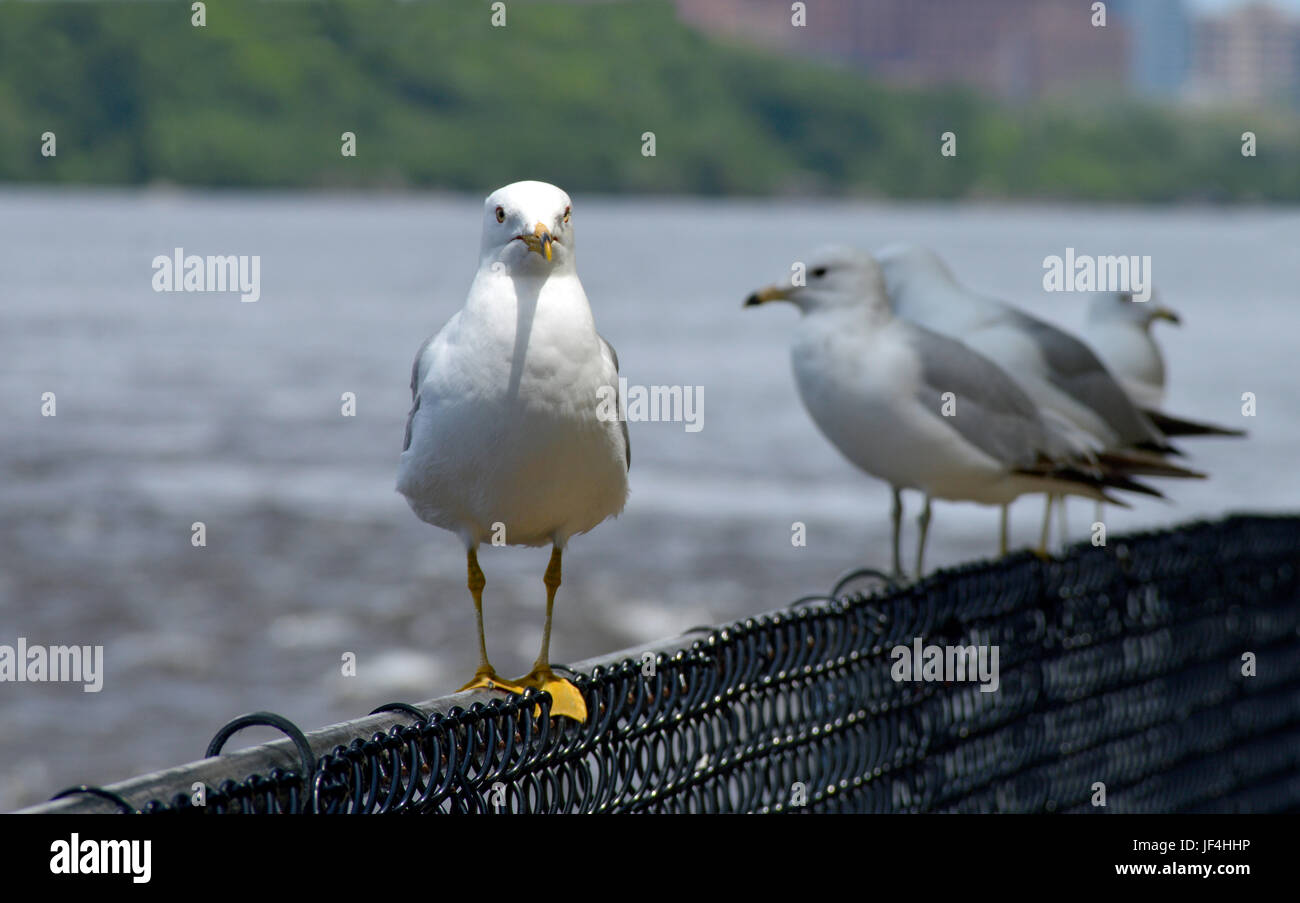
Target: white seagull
(505, 433)
(1063, 376)
(880, 387)
(1057, 370)
(1119, 330)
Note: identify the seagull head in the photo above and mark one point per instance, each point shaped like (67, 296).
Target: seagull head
(905, 264)
(837, 278)
(528, 227)
(1119, 307)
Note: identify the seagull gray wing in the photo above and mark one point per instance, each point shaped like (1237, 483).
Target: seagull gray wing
(418, 369)
(1077, 371)
(991, 411)
(612, 356)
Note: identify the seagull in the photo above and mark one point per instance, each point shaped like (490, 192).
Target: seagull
(508, 437)
(878, 386)
(1119, 330)
(1058, 371)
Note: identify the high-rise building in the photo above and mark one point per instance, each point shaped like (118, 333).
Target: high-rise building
(1160, 45)
(1015, 49)
(1249, 55)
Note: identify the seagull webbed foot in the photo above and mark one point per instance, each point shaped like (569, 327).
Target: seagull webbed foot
(566, 699)
(488, 679)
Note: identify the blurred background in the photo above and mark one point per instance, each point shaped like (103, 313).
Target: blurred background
(770, 140)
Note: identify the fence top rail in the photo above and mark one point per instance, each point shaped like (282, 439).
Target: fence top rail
(285, 755)
(1002, 589)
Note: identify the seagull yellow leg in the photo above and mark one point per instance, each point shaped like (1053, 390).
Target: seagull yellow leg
(1002, 531)
(923, 521)
(896, 518)
(566, 699)
(485, 678)
(1041, 551)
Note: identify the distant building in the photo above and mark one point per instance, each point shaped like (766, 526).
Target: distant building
(1250, 55)
(1160, 45)
(1026, 49)
(1014, 49)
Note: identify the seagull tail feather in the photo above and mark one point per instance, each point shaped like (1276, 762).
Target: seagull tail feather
(1178, 426)
(1092, 482)
(1136, 462)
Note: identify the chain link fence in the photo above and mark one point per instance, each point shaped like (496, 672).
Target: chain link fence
(1160, 673)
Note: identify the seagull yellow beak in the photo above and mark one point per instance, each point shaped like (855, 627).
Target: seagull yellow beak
(539, 240)
(771, 293)
(1164, 313)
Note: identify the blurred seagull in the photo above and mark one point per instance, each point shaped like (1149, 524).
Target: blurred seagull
(504, 432)
(1119, 330)
(876, 385)
(1058, 371)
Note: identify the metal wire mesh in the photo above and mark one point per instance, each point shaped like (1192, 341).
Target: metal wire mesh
(1119, 665)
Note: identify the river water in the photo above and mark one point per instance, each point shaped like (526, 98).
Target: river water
(174, 408)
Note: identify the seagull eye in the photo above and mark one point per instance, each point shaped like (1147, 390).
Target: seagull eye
(567, 211)
(819, 272)
(501, 214)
